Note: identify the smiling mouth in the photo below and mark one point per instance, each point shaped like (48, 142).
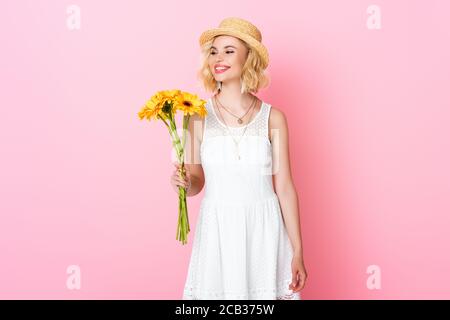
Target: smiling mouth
(221, 69)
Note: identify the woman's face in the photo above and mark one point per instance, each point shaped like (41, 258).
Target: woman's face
(230, 53)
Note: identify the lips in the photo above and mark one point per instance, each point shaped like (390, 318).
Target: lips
(220, 68)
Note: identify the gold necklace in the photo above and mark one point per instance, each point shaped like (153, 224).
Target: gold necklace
(239, 118)
(236, 143)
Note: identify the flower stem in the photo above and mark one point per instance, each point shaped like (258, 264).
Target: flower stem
(183, 227)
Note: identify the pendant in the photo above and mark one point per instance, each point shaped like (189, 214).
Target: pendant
(240, 120)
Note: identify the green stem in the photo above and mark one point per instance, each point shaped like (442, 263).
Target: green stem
(183, 227)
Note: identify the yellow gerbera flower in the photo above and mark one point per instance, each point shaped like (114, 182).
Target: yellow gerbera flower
(160, 104)
(190, 104)
(151, 109)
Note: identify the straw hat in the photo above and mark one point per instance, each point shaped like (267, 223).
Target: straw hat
(243, 30)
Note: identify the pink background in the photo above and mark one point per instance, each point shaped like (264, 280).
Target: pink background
(84, 182)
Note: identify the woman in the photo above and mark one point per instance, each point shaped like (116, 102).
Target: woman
(247, 241)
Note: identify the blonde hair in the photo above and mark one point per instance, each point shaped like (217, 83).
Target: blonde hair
(253, 76)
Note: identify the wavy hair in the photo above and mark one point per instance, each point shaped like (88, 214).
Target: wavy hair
(253, 76)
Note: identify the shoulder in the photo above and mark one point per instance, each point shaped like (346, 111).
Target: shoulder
(277, 118)
(277, 123)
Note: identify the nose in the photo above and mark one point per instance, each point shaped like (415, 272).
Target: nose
(218, 57)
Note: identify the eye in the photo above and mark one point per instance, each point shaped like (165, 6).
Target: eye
(213, 53)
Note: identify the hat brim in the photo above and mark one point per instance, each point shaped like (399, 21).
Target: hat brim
(255, 44)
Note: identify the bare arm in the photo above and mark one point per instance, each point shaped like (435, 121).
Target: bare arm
(192, 155)
(283, 183)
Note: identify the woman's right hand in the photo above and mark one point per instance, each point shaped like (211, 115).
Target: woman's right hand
(176, 181)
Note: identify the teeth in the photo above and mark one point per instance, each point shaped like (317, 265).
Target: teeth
(221, 68)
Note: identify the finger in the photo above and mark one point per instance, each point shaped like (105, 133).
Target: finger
(293, 280)
(178, 181)
(176, 175)
(301, 284)
(183, 183)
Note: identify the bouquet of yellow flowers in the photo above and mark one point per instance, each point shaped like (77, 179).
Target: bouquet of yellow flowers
(163, 106)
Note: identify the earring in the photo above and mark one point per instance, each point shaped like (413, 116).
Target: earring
(219, 85)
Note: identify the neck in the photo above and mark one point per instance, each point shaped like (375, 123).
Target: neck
(231, 97)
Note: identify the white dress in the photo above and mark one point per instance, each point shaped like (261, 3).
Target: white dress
(241, 249)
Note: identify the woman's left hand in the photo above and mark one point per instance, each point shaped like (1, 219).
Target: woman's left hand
(298, 273)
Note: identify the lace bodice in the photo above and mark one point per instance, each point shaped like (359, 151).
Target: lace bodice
(258, 126)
